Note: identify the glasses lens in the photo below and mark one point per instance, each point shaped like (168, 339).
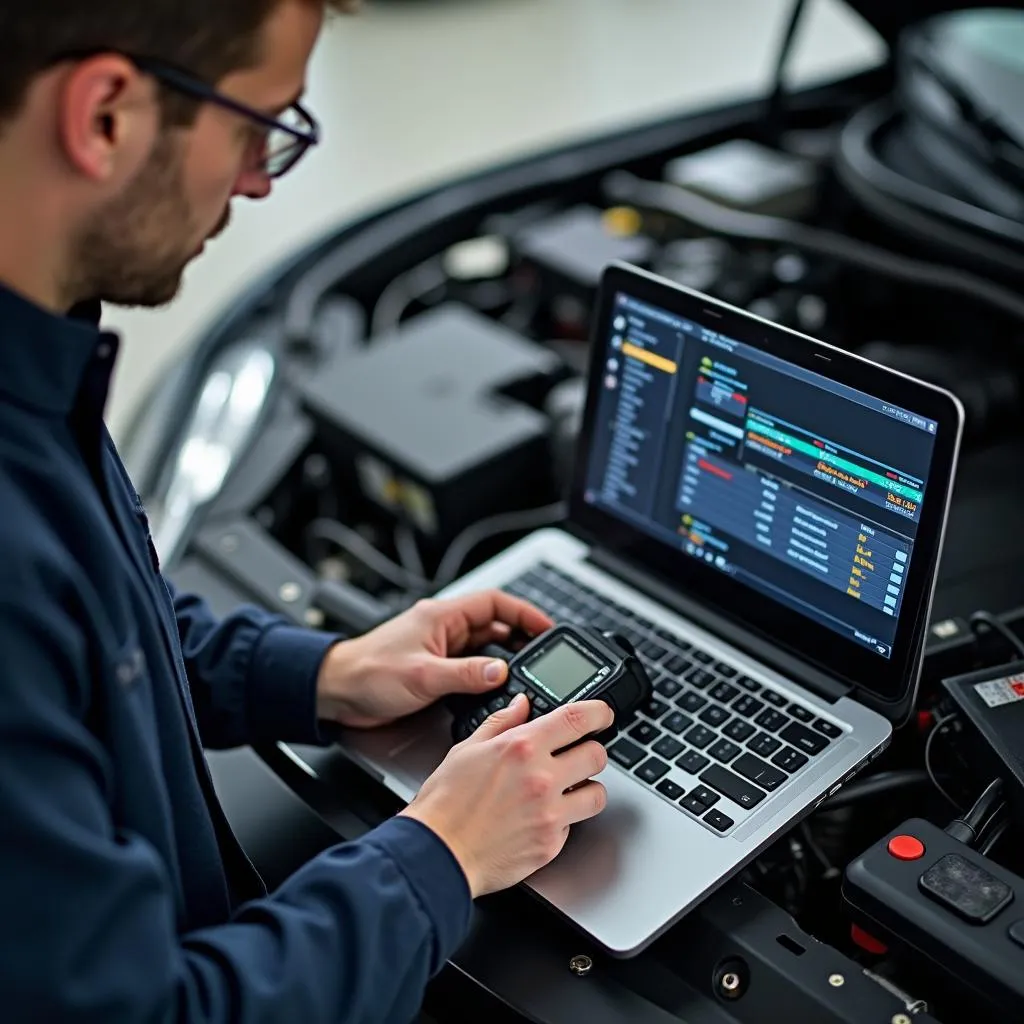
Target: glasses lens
(283, 148)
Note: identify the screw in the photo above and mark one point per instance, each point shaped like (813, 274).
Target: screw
(737, 901)
(290, 593)
(580, 965)
(314, 618)
(836, 980)
(731, 982)
(229, 542)
(901, 1018)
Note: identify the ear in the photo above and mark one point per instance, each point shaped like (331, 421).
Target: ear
(108, 117)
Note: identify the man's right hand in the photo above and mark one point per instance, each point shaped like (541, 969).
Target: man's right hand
(504, 799)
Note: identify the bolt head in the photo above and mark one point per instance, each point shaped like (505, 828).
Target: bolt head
(836, 980)
(290, 593)
(229, 542)
(581, 965)
(314, 618)
(901, 1018)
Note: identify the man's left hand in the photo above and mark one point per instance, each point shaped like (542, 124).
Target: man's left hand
(410, 662)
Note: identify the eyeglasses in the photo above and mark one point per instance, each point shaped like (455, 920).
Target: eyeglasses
(287, 139)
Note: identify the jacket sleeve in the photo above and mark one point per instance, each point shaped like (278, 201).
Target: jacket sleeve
(87, 913)
(252, 675)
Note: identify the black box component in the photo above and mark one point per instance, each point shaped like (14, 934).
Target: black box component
(436, 423)
(992, 701)
(923, 891)
(748, 176)
(570, 250)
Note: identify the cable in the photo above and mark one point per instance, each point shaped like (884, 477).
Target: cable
(876, 785)
(465, 542)
(777, 97)
(990, 843)
(360, 548)
(626, 188)
(402, 292)
(938, 727)
(815, 848)
(408, 550)
(968, 827)
(991, 622)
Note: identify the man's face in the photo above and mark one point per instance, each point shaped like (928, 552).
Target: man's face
(133, 251)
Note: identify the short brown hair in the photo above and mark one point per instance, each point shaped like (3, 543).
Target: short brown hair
(209, 38)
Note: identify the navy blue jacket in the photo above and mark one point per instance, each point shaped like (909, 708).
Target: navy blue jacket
(124, 896)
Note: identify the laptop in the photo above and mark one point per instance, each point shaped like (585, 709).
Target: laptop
(762, 515)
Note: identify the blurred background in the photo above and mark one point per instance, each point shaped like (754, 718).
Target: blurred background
(412, 92)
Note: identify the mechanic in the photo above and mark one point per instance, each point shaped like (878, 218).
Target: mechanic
(126, 129)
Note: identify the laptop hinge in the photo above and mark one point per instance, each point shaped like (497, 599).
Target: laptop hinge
(814, 679)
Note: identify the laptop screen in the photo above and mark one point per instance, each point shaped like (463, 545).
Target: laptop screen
(807, 492)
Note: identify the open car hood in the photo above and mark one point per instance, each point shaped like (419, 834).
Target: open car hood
(890, 17)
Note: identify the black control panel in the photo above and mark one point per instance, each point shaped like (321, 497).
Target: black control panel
(920, 889)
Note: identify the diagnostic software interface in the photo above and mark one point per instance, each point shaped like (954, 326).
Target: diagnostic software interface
(801, 488)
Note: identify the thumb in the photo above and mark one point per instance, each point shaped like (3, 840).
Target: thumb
(470, 675)
(501, 721)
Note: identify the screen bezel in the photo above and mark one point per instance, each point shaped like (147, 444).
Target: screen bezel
(888, 685)
(564, 635)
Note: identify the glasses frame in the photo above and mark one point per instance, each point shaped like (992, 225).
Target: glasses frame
(190, 85)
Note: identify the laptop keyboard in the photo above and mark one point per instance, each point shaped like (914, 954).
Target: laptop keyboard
(711, 741)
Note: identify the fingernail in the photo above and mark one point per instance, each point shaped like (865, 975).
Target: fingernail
(495, 672)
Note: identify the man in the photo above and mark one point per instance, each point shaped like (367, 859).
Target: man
(125, 130)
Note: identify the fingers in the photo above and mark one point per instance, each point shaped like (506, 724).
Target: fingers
(580, 763)
(586, 801)
(475, 612)
(574, 722)
(501, 721)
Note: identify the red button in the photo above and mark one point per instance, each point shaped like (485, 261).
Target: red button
(906, 848)
(867, 942)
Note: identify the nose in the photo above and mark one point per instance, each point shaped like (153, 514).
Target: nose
(253, 184)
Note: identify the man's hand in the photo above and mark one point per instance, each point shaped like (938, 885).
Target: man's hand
(504, 799)
(408, 663)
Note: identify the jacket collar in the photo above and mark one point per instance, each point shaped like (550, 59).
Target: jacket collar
(44, 357)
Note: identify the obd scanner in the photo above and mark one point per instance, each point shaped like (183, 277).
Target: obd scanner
(566, 664)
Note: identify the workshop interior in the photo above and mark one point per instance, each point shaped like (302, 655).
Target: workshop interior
(401, 401)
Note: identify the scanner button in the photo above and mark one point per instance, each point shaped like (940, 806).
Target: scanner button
(1016, 933)
(906, 848)
(497, 704)
(541, 705)
(515, 686)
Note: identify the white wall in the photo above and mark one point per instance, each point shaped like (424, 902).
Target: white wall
(413, 91)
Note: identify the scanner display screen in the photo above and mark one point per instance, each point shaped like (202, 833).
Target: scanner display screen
(562, 669)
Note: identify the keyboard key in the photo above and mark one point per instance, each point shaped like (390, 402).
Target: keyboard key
(764, 744)
(693, 805)
(676, 722)
(514, 686)
(747, 706)
(774, 698)
(790, 760)
(706, 796)
(670, 789)
(699, 737)
(771, 720)
(703, 657)
(693, 763)
(739, 730)
(677, 665)
(691, 701)
(756, 770)
(667, 687)
(724, 751)
(748, 684)
(700, 678)
(652, 651)
(718, 821)
(800, 713)
(715, 715)
(803, 739)
(651, 770)
(654, 708)
(724, 670)
(644, 732)
(827, 728)
(497, 703)
(625, 753)
(540, 705)
(738, 790)
(668, 747)
(723, 692)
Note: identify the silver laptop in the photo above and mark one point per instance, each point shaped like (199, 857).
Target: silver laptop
(762, 515)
